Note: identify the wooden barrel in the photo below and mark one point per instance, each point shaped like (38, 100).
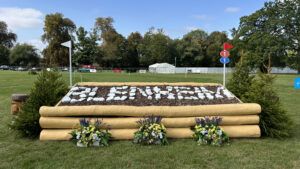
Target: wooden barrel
(16, 102)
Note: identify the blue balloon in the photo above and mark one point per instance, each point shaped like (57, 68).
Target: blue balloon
(224, 60)
(297, 83)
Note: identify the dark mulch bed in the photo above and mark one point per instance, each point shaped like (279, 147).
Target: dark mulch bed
(144, 101)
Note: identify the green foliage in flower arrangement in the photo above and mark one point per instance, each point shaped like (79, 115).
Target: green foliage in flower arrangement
(274, 121)
(151, 132)
(207, 131)
(47, 90)
(90, 134)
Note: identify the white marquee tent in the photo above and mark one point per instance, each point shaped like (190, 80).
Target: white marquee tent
(162, 68)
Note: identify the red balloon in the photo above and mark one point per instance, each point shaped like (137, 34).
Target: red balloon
(224, 53)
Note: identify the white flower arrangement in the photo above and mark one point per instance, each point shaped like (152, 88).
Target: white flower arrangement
(122, 93)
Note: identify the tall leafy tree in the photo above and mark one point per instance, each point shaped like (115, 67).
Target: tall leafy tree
(7, 40)
(133, 42)
(57, 29)
(238, 52)
(215, 41)
(24, 55)
(192, 49)
(261, 33)
(155, 48)
(86, 47)
(104, 24)
(4, 55)
(289, 22)
(113, 44)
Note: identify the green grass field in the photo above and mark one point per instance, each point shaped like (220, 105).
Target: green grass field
(241, 153)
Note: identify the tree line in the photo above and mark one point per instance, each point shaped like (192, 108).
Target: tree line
(104, 46)
(267, 38)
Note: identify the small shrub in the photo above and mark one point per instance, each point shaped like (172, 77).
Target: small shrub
(241, 79)
(89, 134)
(47, 90)
(207, 131)
(274, 121)
(151, 131)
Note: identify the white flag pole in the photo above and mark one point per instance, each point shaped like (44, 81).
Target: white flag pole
(70, 62)
(68, 44)
(224, 68)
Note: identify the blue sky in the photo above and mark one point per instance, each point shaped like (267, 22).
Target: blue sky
(176, 17)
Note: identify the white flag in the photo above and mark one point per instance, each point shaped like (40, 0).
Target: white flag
(67, 44)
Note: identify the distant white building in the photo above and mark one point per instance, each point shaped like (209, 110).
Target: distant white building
(162, 68)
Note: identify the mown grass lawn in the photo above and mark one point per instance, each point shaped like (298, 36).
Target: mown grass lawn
(241, 153)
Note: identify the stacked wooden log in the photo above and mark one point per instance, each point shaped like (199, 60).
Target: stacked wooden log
(238, 119)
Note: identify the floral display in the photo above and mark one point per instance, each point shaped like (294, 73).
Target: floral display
(151, 132)
(89, 134)
(207, 131)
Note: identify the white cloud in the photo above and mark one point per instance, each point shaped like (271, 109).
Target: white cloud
(232, 9)
(21, 17)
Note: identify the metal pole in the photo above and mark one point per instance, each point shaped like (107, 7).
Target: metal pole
(224, 67)
(224, 72)
(70, 62)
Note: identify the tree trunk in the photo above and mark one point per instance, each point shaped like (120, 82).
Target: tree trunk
(242, 55)
(269, 64)
(266, 68)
